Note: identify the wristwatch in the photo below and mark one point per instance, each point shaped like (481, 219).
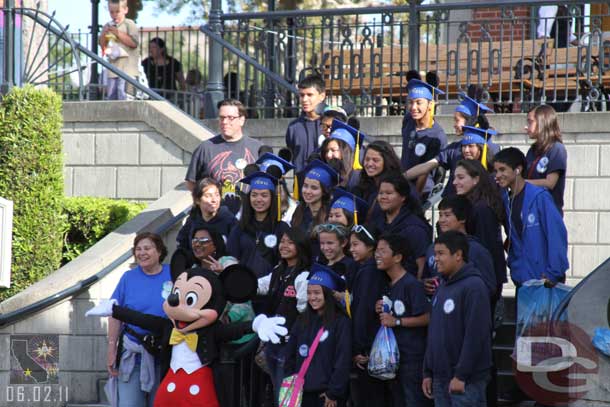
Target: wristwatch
(397, 321)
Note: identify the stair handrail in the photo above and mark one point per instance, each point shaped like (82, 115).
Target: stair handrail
(19, 314)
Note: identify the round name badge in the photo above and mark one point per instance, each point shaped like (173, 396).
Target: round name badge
(448, 306)
(240, 163)
(270, 241)
(167, 289)
(543, 164)
(531, 218)
(420, 149)
(399, 308)
(303, 350)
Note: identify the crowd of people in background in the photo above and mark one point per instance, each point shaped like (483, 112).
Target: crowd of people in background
(348, 247)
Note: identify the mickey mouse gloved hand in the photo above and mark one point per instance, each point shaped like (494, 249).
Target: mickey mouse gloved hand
(104, 309)
(268, 329)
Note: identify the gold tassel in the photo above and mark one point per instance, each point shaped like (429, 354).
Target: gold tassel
(279, 203)
(347, 304)
(295, 188)
(484, 153)
(355, 215)
(431, 114)
(356, 165)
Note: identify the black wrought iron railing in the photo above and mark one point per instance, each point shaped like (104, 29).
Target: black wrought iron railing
(517, 53)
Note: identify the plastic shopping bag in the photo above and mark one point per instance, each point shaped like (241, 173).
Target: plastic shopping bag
(536, 303)
(384, 357)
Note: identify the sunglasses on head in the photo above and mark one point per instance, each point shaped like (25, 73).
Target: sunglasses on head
(362, 229)
(202, 240)
(332, 228)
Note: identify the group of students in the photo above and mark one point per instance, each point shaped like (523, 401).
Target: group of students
(353, 236)
(351, 250)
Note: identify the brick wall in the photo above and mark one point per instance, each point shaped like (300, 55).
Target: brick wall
(500, 29)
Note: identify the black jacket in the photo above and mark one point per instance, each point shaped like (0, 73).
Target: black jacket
(209, 338)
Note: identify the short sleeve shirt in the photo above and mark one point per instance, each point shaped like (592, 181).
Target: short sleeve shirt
(162, 76)
(128, 64)
(555, 159)
(409, 300)
(224, 161)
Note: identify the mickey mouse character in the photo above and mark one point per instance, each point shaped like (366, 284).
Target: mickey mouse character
(190, 337)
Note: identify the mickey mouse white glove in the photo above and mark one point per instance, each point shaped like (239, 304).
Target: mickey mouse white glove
(104, 309)
(268, 329)
(300, 286)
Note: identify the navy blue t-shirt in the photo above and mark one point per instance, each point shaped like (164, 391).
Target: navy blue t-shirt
(409, 300)
(420, 146)
(555, 159)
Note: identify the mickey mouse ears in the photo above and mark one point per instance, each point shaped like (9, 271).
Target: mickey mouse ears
(239, 283)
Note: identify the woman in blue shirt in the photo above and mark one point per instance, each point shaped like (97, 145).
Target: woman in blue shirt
(140, 289)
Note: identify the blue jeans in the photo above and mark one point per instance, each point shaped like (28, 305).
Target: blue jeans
(130, 394)
(407, 388)
(473, 396)
(116, 89)
(275, 362)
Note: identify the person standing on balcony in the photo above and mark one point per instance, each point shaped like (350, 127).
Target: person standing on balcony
(224, 156)
(119, 42)
(164, 72)
(422, 137)
(302, 133)
(547, 158)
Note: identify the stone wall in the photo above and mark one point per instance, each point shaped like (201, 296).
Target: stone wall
(129, 150)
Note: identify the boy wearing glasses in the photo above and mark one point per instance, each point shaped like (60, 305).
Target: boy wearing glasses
(224, 156)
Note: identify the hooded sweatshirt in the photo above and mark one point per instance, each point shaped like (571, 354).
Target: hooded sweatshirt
(459, 334)
(302, 138)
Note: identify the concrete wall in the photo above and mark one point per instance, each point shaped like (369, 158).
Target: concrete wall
(129, 150)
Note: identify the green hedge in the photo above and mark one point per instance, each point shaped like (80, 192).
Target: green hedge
(91, 219)
(31, 175)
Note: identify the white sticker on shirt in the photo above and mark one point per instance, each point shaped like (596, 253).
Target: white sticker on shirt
(324, 336)
(167, 289)
(542, 165)
(399, 308)
(270, 241)
(531, 218)
(240, 163)
(420, 149)
(449, 306)
(303, 350)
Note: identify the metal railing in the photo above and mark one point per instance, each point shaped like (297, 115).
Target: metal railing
(366, 54)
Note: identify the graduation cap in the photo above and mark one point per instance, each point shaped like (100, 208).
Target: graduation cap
(269, 159)
(260, 181)
(471, 107)
(420, 89)
(350, 202)
(351, 136)
(322, 172)
(326, 277)
(477, 135)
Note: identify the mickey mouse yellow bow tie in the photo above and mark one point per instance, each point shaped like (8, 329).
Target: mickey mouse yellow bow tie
(190, 339)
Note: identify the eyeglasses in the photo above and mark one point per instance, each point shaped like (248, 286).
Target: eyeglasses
(332, 228)
(360, 229)
(201, 241)
(230, 119)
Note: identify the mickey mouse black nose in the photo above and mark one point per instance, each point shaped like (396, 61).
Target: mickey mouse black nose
(173, 299)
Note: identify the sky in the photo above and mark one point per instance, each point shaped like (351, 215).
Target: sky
(77, 13)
